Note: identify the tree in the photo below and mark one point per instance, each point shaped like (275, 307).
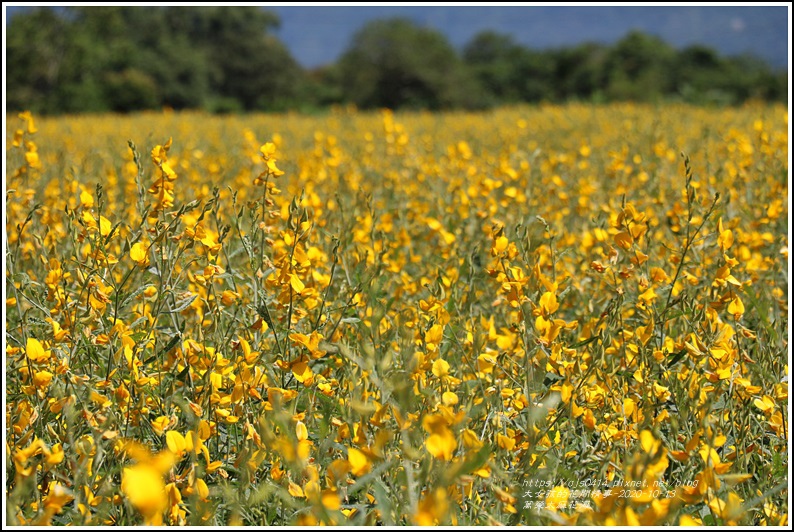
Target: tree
(579, 71)
(246, 63)
(638, 67)
(119, 58)
(395, 63)
(128, 58)
(35, 45)
(496, 61)
(748, 77)
(510, 72)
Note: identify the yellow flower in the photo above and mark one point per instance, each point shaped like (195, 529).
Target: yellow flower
(557, 498)
(138, 253)
(441, 442)
(35, 351)
(28, 118)
(432, 508)
(736, 307)
(548, 303)
(228, 297)
(143, 486)
(499, 245)
(268, 151)
(440, 368)
(42, 379)
(296, 283)
(359, 462)
(725, 238)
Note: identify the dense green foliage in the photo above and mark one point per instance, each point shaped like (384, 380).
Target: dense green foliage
(393, 63)
(126, 58)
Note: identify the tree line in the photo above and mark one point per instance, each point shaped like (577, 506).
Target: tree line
(95, 59)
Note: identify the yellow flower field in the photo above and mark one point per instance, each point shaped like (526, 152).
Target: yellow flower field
(530, 316)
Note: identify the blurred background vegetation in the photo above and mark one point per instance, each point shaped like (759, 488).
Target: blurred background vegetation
(96, 59)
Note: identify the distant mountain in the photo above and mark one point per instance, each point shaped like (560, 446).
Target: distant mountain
(318, 35)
